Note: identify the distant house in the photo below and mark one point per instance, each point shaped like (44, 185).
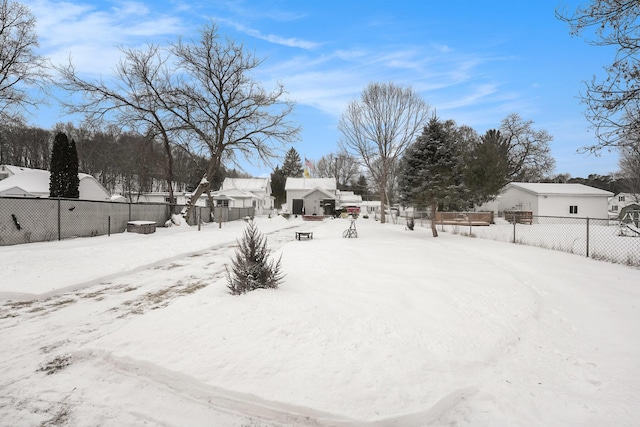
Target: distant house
(9, 170)
(348, 200)
(621, 200)
(35, 183)
(551, 199)
(311, 196)
(244, 193)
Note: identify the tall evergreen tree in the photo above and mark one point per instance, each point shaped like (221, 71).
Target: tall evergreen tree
(486, 167)
(57, 178)
(361, 187)
(278, 181)
(292, 166)
(72, 184)
(64, 181)
(430, 171)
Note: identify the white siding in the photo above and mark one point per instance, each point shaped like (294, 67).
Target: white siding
(515, 199)
(588, 206)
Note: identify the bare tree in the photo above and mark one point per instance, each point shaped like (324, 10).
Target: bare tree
(630, 170)
(612, 104)
(528, 152)
(378, 127)
(20, 67)
(232, 115)
(137, 98)
(341, 166)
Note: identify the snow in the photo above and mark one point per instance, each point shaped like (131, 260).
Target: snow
(394, 327)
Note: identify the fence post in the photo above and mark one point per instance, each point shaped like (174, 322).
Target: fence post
(199, 217)
(109, 226)
(59, 220)
(129, 211)
(514, 229)
(587, 237)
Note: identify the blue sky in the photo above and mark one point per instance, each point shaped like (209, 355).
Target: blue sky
(472, 61)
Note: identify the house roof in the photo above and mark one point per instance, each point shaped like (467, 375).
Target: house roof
(35, 183)
(235, 193)
(328, 184)
(553, 189)
(246, 184)
(326, 193)
(14, 169)
(348, 197)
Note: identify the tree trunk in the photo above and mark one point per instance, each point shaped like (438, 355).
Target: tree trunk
(434, 209)
(203, 186)
(383, 197)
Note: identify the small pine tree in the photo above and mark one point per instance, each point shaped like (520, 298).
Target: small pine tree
(251, 267)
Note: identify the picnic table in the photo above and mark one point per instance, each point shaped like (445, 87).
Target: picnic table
(307, 234)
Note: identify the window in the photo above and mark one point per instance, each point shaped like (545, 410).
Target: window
(621, 198)
(222, 203)
(573, 209)
(614, 208)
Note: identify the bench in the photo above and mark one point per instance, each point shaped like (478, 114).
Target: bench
(307, 234)
(141, 227)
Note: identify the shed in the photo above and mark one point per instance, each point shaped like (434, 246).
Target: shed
(311, 196)
(551, 199)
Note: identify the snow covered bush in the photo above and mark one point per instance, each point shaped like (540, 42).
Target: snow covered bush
(251, 267)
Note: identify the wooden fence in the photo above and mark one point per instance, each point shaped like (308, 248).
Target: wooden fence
(464, 218)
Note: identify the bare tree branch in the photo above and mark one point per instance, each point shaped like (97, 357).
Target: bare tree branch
(378, 127)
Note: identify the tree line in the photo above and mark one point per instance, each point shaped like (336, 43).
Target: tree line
(180, 112)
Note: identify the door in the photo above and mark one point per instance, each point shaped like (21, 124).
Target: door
(297, 206)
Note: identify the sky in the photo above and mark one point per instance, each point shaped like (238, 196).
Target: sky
(474, 62)
(139, 330)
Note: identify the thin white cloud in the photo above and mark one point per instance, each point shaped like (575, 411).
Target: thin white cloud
(271, 38)
(92, 36)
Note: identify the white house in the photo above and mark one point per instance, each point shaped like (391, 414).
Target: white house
(246, 192)
(35, 183)
(9, 170)
(311, 196)
(348, 199)
(551, 199)
(620, 201)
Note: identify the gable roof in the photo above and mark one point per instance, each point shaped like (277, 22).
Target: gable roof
(35, 183)
(321, 190)
(328, 184)
(554, 189)
(246, 184)
(14, 169)
(235, 193)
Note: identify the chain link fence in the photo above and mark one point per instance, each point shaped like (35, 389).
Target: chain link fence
(28, 220)
(601, 239)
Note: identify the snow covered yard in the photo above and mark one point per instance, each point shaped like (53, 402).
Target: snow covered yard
(392, 328)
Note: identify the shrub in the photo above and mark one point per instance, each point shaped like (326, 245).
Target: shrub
(251, 267)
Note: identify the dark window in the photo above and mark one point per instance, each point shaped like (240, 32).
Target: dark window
(621, 198)
(573, 209)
